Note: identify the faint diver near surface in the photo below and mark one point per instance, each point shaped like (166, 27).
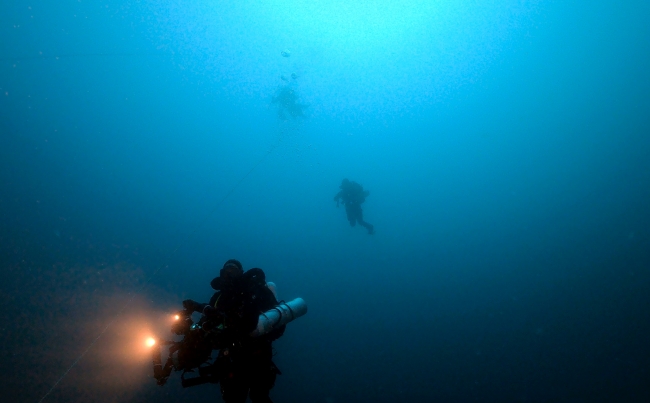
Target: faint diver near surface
(287, 101)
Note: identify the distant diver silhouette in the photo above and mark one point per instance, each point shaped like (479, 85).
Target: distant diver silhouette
(287, 101)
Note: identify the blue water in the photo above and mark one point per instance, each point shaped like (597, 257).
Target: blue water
(505, 145)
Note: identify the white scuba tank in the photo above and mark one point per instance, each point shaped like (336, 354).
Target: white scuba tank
(281, 314)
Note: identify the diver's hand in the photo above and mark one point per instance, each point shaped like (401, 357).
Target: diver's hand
(190, 305)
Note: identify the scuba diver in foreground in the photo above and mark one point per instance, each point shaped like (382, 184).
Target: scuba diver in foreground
(241, 320)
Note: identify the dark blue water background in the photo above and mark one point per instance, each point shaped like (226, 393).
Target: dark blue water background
(505, 145)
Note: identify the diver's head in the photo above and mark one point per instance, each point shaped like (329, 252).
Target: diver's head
(230, 271)
(344, 183)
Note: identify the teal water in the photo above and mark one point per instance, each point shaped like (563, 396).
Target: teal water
(504, 144)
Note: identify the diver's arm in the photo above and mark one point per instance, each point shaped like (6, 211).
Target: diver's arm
(337, 197)
(193, 306)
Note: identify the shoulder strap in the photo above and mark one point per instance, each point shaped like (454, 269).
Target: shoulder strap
(217, 301)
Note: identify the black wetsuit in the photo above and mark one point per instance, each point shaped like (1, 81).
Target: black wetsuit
(352, 196)
(245, 365)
